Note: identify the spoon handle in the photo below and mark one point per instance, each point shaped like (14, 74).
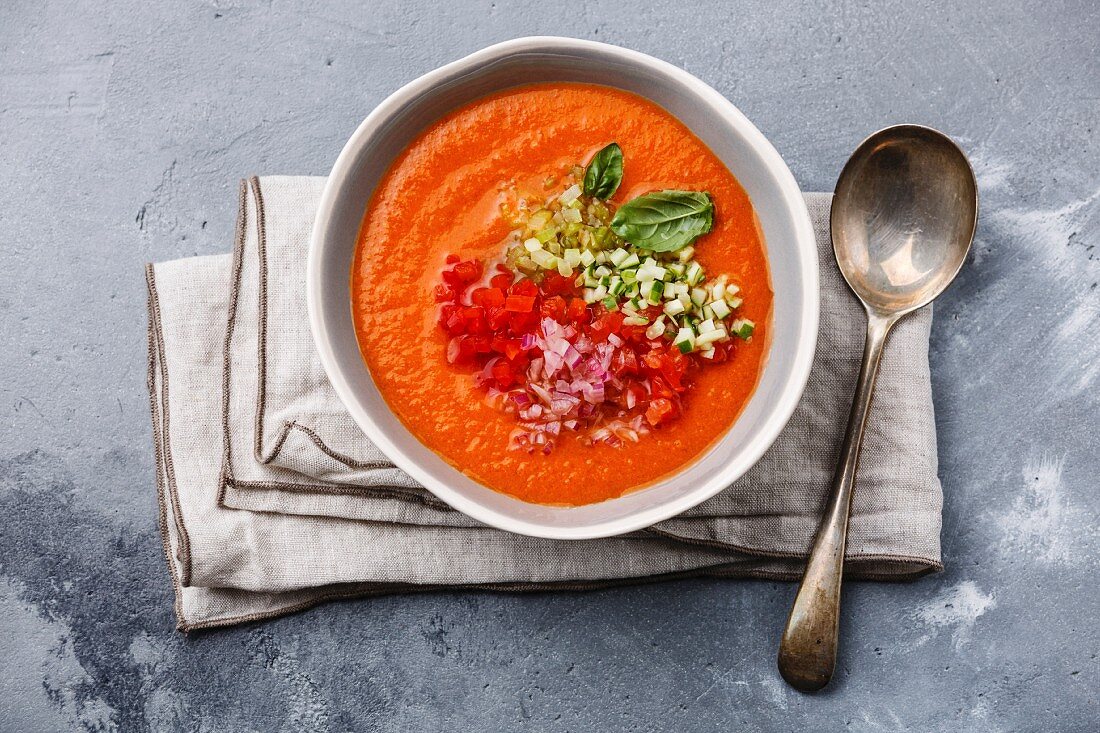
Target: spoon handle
(807, 652)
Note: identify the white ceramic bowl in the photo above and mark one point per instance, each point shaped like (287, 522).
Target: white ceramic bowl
(788, 236)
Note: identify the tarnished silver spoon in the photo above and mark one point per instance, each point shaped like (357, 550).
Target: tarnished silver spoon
(902, 221)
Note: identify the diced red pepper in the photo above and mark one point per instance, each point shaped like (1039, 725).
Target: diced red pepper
(443, 293)
(554, 283)
(461, 350)
(503, 374)
(502, 281)
(554, 307)
(452, 258)
(624, 362)
(487, 297)
(468, 271)
(519, 303)
(578, 311)
(659, 410)
(660, 388)
(524, 287)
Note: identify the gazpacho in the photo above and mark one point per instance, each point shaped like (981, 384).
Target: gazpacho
(562, 291)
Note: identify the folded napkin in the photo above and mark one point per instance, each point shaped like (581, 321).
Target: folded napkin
(272, 499)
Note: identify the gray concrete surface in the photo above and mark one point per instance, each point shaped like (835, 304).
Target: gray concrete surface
(123, 131)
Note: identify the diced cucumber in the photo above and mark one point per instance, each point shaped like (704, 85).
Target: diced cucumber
(710, 336)
(719, 309)
(656, 329)
(674, 307)
(742, 328)
(694, 274)
(685, 340)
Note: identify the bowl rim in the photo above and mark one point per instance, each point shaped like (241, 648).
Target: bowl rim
(805, 245)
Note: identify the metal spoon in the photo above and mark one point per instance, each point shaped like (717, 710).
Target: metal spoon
(903, 217)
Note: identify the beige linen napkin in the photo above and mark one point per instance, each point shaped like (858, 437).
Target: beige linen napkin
(271, 499)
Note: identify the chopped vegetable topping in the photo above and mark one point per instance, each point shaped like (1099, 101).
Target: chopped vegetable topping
(581, 331)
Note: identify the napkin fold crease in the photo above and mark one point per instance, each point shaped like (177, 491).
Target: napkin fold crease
(272, 500)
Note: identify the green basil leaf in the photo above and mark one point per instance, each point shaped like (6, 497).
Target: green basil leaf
(664, 221)
(604, 173)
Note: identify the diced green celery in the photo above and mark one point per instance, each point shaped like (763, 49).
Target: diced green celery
(734, 302)
(570, 194)
(587, 258)
(618, 256)
(544, 259)
(631, 261)
(635, 321)
(611, 303)
(545, 235)
(539, 219)
(698, 296)
(629, 276)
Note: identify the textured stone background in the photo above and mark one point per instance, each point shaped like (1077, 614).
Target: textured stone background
(123, 132)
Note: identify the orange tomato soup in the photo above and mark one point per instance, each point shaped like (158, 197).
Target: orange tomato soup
(443, 195)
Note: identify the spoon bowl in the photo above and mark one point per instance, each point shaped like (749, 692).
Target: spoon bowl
(903, 218)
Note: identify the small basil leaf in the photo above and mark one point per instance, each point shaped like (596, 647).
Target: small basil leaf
(664, 221)
(604, 173)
